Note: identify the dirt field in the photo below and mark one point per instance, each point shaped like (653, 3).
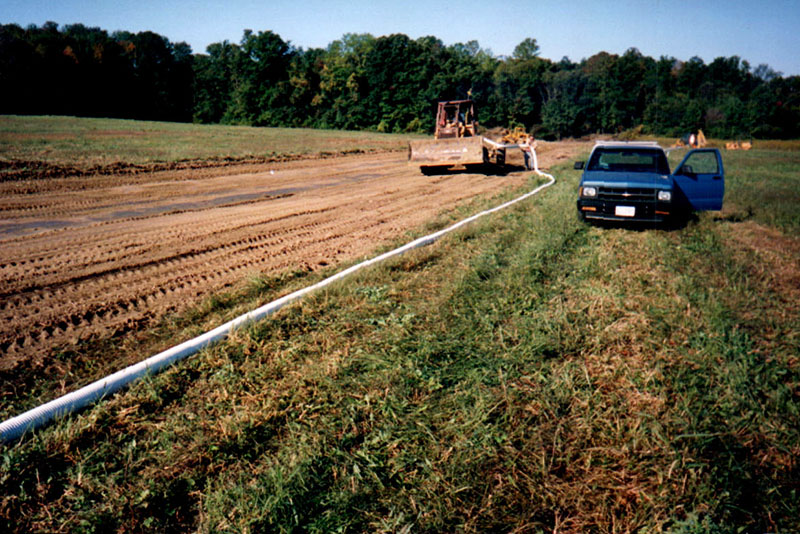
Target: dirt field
(102, 255)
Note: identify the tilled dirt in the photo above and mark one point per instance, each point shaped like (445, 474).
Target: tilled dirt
(91, 256)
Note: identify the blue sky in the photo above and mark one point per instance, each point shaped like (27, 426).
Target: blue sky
(765, 31)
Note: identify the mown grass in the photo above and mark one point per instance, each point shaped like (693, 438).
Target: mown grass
(88, 141)
(764, 185)
(528, 374)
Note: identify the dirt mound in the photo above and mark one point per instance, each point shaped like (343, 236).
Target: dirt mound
(496, 134)
(14, 170)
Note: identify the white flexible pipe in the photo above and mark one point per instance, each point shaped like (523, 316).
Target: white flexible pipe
(15, 427)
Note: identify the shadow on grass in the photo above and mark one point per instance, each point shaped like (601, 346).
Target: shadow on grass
(676, 222)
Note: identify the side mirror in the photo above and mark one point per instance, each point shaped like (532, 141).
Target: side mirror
(578, 165)
(687, 170)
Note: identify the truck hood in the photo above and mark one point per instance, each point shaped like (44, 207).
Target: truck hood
(627, 179)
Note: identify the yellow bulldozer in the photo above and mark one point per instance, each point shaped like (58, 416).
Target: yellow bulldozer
(456, 143)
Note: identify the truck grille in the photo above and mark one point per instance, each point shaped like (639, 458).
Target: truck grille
(626, 194)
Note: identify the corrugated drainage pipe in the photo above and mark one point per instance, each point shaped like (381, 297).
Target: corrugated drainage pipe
(15, 427)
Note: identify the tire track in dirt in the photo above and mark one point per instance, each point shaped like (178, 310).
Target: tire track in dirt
(98, 264)
(102, 273)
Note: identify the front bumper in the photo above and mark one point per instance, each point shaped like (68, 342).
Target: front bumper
(628, 210)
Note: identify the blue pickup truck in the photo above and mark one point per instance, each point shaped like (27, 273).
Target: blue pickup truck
(631, 181)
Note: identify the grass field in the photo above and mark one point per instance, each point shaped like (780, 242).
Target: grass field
(96, 142)
(529, 374)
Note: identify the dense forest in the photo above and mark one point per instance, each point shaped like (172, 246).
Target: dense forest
(389, 83)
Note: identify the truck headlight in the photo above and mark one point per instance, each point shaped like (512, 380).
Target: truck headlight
(590, 191)
(665, 196)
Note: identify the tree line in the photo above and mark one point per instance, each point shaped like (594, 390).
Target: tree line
(386, 84)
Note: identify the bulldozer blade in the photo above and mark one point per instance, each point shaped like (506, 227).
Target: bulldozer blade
(446, 152)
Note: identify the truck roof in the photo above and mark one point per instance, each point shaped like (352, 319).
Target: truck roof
(642, 144)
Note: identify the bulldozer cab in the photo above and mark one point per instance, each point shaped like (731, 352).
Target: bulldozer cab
(455, 118)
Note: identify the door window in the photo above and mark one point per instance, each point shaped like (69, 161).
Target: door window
(702, 163)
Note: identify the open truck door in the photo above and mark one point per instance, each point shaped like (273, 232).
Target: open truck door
(700, 179)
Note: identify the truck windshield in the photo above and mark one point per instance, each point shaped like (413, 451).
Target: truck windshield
(628, 160)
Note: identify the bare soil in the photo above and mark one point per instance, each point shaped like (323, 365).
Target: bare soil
(88, 256)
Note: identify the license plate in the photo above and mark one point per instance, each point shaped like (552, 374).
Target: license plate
(625, 211)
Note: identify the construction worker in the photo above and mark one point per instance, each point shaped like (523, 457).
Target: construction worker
(527, 153)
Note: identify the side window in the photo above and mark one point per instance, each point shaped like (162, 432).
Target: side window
(703, 163)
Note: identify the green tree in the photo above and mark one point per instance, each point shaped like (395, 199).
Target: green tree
(519, 93)
(526, 50)
(561, 113)
(214, 74)
(261, 82)
(396, 74)
(304, 82)
(162, 76)
(342, 86)
(21, 72)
